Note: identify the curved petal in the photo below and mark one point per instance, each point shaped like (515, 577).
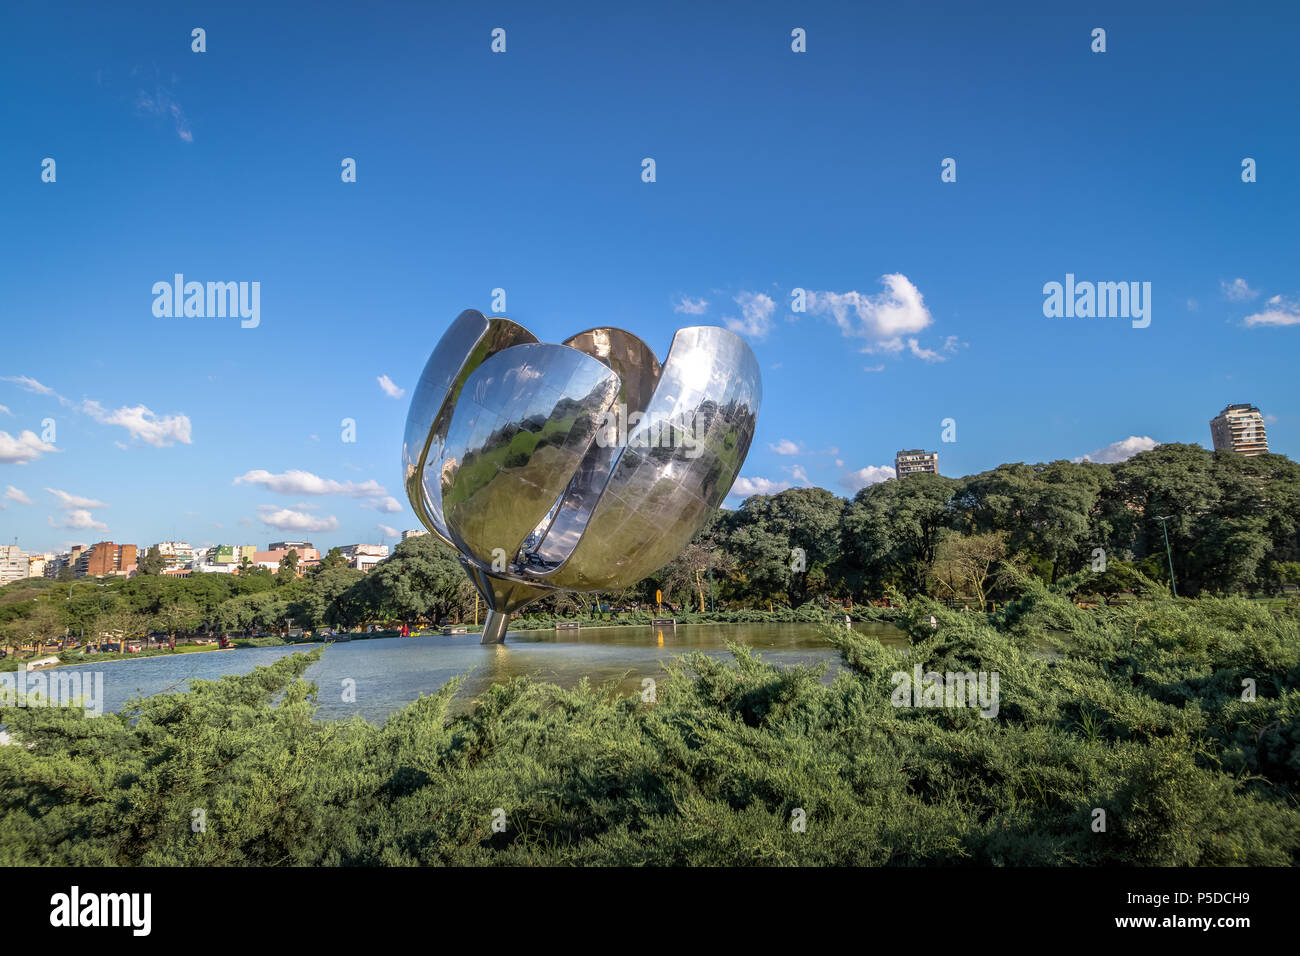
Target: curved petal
(553, 540)
(677, 467)
(525, 419)
(468, 341)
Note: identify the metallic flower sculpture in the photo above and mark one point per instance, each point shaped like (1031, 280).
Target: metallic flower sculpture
(584, 466)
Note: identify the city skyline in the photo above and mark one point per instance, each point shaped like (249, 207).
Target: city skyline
(923, 298)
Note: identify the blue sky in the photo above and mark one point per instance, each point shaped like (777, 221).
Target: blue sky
(521, 170)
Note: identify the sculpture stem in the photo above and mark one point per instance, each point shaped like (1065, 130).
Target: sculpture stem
(494, 627)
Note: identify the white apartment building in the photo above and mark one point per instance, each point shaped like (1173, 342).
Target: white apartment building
(1239, 428)
(915, 461)
(13, 563)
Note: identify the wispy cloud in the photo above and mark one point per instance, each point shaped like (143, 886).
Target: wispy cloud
(688, 306)
(756, 310)
(75, 501)
(139, 420)
(162, 103)
(1238, 290)
(390, 387)
(13, 494)
(386, 531)
(784, 447)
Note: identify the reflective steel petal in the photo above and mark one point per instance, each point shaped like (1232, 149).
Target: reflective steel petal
(468, 341)
(525, 419)
(553, 541)
(679, 463)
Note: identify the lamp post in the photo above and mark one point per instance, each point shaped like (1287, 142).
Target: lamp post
(1168, 553)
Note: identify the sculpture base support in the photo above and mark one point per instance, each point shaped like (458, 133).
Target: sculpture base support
(494, 627)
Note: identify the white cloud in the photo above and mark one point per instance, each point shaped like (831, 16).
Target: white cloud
(883, 320)
(287, 520)
(757, 486)
(5, 409)
(1238, 290)
(19, 451)
(74, 501)
(784, 447)
(873, 368)
(142, 423)
(798, 474)
(1121, 450)
(388, 505)
(871, 475)
(756, 310)
(80, 519)
(390, 387)
(13, 494)
(296, 482)
(690, 306)
(386, 531)
(1283, 312)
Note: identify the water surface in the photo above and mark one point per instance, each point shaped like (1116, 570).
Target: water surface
(389, 673)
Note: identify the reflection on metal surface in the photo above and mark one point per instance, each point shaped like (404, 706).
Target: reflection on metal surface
(583, 466)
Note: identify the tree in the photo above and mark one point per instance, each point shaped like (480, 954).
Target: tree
(153, 562)
(42, 625)
(179, 615)
(421, 578)
(122, 625)
(896, 526)
(334, 559)
(970, 561)
(288, 568)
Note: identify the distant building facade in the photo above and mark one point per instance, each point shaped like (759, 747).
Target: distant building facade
(105, 557)
(299, 546)
(915, 461)
(13, 563)
(413, 533)
(1240, 429)
(176, 554)
(363, 557)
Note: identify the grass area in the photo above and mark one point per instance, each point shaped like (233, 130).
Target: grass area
(1141, 718)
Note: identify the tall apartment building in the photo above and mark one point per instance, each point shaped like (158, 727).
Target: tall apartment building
(413, 533)
(13, 563)
(1239, 428)
(105, 557)
(915, 461)
(299, 546)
